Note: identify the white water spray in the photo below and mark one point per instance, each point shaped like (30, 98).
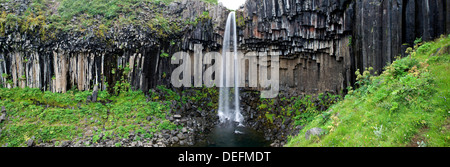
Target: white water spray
(227, 111)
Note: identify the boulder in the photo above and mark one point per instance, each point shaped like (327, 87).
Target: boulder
(2, 117)
(313, 132)
(3, 114)
(30, 143)
(177, 116)
(166, 135)
(181, 136)
(175, 139)
(65, 144)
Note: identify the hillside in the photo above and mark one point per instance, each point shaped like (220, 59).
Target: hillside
(407, 105)
(47, 18)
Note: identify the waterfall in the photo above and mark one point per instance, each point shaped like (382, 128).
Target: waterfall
(230, 65)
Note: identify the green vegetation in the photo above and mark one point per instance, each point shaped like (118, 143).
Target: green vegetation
(302, 109)
(48, 116)
(204, 97)
(406, 105)
(123, 85)
(211, 1)
(349, 41)
(164, 54)
(47, 18)
(201, 18)
(51, 116)
(240, 21)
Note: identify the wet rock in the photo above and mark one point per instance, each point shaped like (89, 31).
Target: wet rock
(166, 136)
(177, 116)
(182, 142)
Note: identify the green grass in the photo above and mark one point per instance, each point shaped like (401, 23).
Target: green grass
(301, 109)
(48, 18)
(407, 105)
(51, 116)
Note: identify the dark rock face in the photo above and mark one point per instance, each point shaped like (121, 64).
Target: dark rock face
(322, 43)
(311, 36)
(74, 60)
(384, 29)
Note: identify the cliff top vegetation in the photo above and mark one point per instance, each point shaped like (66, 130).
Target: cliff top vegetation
(49, 17)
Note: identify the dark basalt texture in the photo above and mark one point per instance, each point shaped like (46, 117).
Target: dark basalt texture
(384, 29)
(81, 60)
(311, 36)
(321, 42)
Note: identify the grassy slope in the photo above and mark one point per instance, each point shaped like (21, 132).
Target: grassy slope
(67, 116)
(48, 116)
(407, 105)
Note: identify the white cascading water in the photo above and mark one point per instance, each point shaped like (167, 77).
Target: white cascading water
(227, 111)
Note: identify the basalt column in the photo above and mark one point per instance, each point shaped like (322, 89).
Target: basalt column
(313, 38)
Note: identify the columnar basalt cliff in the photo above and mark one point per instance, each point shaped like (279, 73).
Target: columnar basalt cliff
(81, 60)
(322, 42)
(384, 29)
(312, 38)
